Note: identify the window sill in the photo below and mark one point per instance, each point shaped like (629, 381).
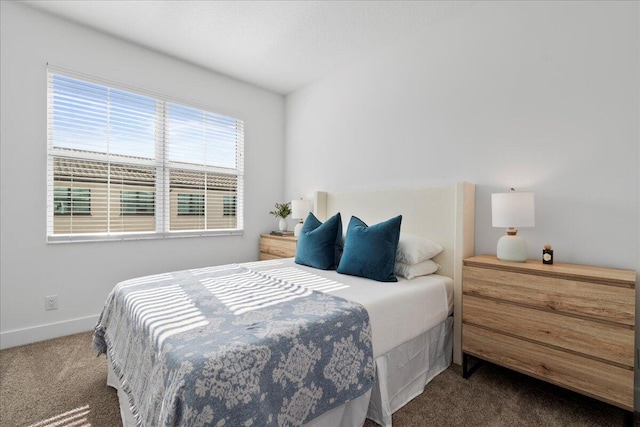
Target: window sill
(111, 237)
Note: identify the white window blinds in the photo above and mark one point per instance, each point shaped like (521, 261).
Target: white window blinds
(127, 164)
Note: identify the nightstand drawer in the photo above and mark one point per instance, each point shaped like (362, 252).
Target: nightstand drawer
(610, 383)
(272, 247)
(595, 300)
(592, 338)
(265, 256)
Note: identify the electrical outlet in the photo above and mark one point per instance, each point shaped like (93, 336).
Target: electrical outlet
(51, 302)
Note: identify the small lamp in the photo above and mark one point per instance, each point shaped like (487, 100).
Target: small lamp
(512, 210)
(299, 210)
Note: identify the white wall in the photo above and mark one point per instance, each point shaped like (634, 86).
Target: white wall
(541, 96)
(82, 274)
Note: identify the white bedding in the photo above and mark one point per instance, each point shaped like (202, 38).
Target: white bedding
(398, 311)
(411, 337)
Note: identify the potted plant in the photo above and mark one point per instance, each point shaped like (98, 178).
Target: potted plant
(282, 211)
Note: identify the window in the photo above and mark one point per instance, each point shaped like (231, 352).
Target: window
(133, 164)
(190, 204)
(137, 202)
(71, 201)
(229, 205)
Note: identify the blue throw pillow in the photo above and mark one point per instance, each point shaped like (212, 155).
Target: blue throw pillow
(320, 245)
(371, 251)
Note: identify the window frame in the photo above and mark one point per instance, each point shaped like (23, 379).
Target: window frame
(162, 165)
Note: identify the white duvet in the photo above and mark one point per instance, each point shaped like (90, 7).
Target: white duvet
(398, 311)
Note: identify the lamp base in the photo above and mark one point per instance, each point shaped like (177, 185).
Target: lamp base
(297, 229)
(512, 248)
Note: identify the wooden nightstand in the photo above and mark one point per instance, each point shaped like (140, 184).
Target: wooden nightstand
(571, 325)
(273, 247)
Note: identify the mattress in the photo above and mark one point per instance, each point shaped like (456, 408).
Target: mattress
(398, 311)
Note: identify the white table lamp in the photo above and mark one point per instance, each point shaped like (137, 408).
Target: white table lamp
(512, 210)
(299, 210)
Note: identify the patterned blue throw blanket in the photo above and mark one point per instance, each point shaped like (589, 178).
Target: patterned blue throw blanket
(230, 346)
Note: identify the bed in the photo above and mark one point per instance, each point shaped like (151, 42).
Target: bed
(400, 335)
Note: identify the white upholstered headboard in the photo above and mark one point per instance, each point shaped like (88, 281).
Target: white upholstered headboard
(444, 214)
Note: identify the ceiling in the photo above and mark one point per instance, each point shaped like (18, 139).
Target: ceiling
(277, 45)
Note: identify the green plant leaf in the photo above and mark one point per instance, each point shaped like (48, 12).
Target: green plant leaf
(282, 210)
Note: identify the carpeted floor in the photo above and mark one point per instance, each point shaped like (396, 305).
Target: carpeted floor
(61, 382)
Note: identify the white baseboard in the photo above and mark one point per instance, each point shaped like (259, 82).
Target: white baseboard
(45, 332)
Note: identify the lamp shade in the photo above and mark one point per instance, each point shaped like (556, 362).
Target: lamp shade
(512, 209)
(300, 208)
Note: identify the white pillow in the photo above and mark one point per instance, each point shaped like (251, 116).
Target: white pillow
(421, 269)
(413, 249)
